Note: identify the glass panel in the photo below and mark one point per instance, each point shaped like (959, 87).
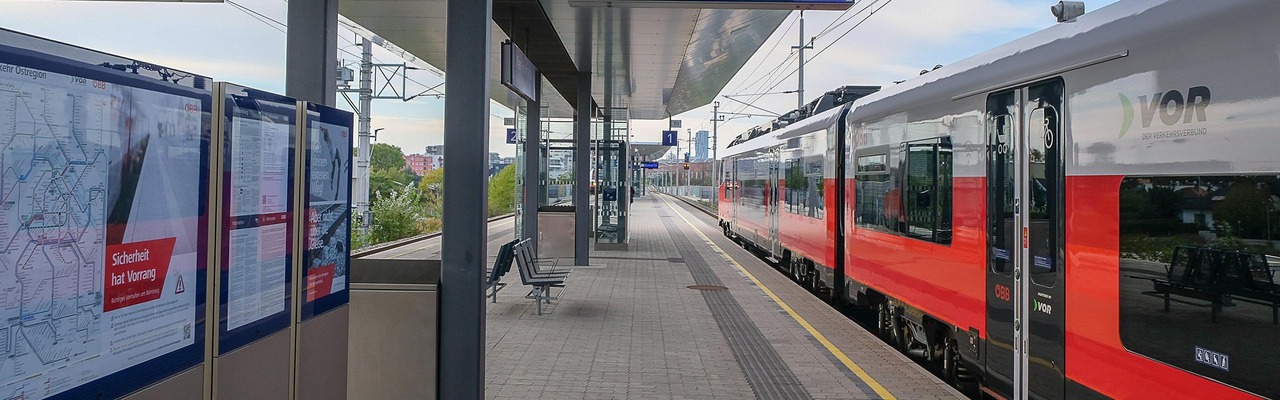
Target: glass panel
(1198, 284)
(872, 194)
(1045, 182)
(1000, 186)
(922, 188)
(814, 207)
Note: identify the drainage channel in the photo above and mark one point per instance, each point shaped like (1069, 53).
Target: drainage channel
(760, 362)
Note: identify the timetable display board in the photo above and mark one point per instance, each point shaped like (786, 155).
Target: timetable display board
(103, 227)
(328, 221)
(259, 135)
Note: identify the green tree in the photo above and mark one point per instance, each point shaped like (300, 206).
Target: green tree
(386, 157)
(397, 214)
(431, 191)
(502, 188)
(385, 181)
(1244, 208)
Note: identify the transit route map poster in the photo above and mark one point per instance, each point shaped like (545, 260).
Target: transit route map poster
(328, 209)
(257, 235)
(102, 245)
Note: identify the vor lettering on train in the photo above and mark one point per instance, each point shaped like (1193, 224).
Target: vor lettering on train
(1172, 107)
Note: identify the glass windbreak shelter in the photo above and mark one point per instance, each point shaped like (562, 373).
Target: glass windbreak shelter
(610, 183)
(612, 193)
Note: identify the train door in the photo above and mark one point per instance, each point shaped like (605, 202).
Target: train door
(734, 189)
(1025, 255)
(775, 177)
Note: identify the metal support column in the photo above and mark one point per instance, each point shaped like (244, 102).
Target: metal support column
(463, 254)
(582, 172)
(364, 148)
(311, 54)
(532, 169)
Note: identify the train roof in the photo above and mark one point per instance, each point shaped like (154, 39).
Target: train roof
(1094, 37)
(780, 136)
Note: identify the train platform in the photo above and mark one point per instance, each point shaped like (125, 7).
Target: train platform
(684, 314)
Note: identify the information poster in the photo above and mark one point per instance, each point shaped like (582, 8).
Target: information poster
(258, 168)
(328, 209)
(102, 254)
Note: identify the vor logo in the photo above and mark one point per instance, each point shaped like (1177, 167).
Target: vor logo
(1173, 107)
(1041, 307)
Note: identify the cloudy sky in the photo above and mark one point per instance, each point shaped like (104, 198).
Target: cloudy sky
(242, 41)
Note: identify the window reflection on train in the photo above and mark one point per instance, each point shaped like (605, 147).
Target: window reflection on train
(753, 179)
(1198, 266)
(921, 169)
(804, 186)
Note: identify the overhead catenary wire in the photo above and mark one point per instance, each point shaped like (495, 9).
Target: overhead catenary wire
(833, 43)
(771, 49)
(282, 27)
(769, 77)
(271, 22)
(778, 68)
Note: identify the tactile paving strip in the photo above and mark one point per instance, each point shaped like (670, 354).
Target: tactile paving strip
(760, 362)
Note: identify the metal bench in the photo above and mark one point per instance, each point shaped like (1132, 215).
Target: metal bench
(541, 283)
(537, 263)
(1253, 281)
(1218, 277)
(502, 265)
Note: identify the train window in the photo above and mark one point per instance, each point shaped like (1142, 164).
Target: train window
(817, 199)
(1044, 146)
(803, 186)
(795, 185)
(873, 186)
(1198, 273)
(873, 164)
(726, 178)
(1001, 226)
(928, 190)
(913, 199)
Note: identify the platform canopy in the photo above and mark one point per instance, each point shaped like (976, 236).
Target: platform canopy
(653, 60)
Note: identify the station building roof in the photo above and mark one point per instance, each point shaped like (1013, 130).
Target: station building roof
(654, 61)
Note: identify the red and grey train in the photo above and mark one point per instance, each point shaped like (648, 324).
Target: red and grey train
(1085, 212)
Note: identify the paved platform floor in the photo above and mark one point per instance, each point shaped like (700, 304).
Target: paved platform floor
(628, 327)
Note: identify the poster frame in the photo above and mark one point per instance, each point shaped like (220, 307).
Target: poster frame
(329, 115)
(235, 97)
(138, 376)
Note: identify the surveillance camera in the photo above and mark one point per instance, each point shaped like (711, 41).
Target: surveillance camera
(1067, 11)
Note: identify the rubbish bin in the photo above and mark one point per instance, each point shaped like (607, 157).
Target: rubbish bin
(394, 317)
(556, 231)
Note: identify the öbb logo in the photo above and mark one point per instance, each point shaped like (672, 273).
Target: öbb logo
(1002, 292)
(1172, 106)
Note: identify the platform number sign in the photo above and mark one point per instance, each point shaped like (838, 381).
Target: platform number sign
(511, 135)
(669, 138)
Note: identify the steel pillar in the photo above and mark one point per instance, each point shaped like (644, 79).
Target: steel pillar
(532, 170)
(582, 172)
(311, 54)
(464, 253)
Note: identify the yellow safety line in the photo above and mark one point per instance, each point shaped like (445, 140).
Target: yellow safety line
(857, 370)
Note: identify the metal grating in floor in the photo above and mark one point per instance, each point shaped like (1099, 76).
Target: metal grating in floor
(764, 368)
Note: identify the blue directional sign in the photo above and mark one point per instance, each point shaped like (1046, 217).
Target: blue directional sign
(649, 165)
(669, 138)
(511, 135)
